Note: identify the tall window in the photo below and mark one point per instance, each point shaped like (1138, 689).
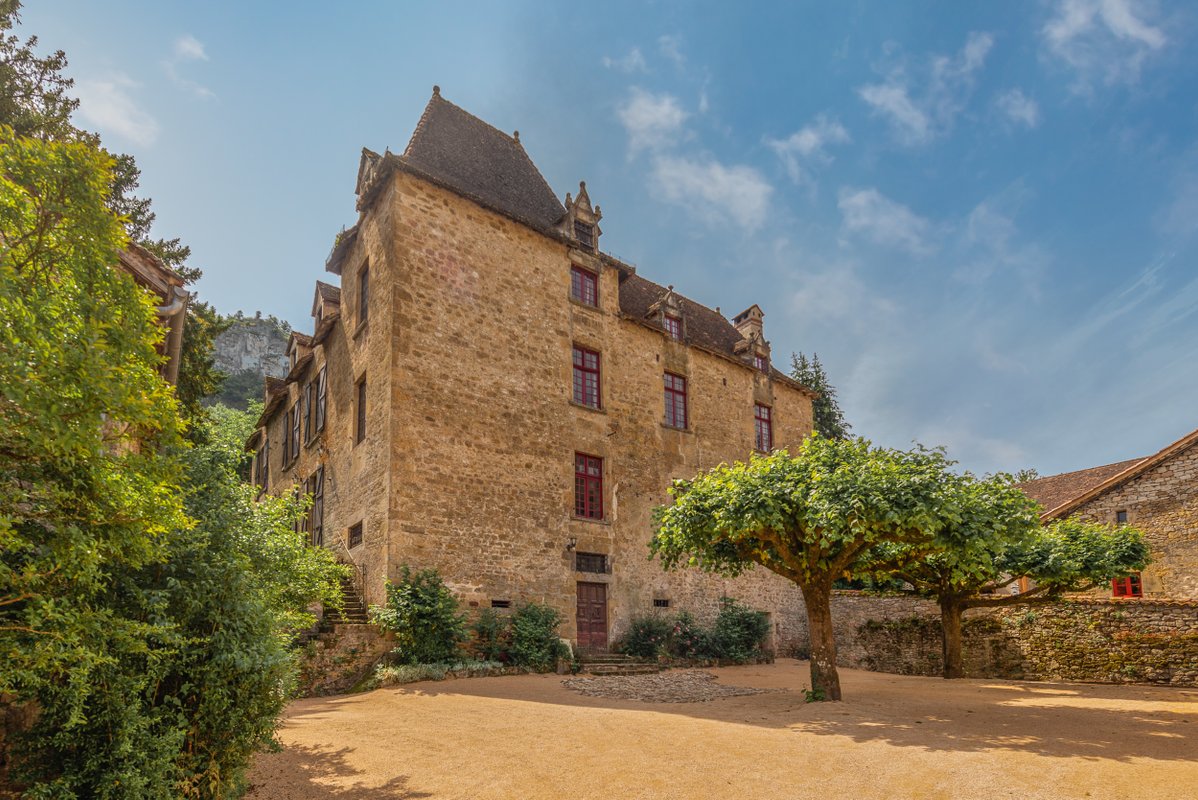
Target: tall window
(309, 410)
(763, 426)
(588, 486)
(263, 465)
(316, 513)
(585, 234)
(360, 423)
(673, 327)
(586, 377)
(286, 439)
(295, 430)
(1127, 587)
(322, 392)
(762, 363)
(584, 286)
(363, 294)
(355, 534)
(675, 400)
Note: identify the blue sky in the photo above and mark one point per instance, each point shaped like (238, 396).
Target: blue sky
(982, 217)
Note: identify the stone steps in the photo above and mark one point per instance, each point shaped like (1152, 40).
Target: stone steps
(620, 669)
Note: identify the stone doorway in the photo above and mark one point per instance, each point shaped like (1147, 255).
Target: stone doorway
(592, 617)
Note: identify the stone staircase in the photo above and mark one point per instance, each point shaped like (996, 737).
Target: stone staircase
(352, 611)
(616, 664)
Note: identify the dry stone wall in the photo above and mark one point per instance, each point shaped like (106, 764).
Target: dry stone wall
(1108, 641)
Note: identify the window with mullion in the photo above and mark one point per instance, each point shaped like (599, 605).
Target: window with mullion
(1127, 587)
(588, 486)
(675, 395)
(673, 326)
(586, 377)
(584, 286)
(585, 234)
(763, 426)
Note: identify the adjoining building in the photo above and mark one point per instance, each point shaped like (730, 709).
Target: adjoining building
(490, 394)
(170, 305)
(1158, 495)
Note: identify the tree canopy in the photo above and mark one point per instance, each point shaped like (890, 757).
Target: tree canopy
(809, 518)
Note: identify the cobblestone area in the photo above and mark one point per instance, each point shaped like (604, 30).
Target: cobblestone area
(683, 686)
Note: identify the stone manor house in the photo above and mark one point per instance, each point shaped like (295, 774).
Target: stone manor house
(490, 394)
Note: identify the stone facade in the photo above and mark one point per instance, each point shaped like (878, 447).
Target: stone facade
(1162, 501)
(468, 460)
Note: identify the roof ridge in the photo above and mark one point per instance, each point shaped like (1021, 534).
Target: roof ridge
(423, 118)
(437, 96)
(1128, 461)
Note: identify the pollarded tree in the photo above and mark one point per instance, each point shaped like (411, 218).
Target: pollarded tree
(1001, 542)
(808, 517)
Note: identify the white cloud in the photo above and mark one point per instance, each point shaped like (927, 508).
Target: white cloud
(876, 217)
(837, 299)
(652, 120)
(1019, 108)
(107, 104)
(671, 48)
(919, 113)
(187, 48)
(631, 62)
(714, 191)
(808, 143)
(1106, 40)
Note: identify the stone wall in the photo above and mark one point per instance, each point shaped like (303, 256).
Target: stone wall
(336, 661)
(1105, 641)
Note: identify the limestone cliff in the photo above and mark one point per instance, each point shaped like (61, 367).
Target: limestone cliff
(247, 351)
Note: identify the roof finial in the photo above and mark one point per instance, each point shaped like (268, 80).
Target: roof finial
(670, 287)
(436, 90)
(582, 185)
(717, 310)
(516, 135)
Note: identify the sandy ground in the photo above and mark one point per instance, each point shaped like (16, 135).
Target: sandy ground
(893, 737)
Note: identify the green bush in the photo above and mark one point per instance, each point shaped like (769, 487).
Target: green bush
(740, 632)
(423, 615)
(492, 636)
(648, 637)
(535, 642)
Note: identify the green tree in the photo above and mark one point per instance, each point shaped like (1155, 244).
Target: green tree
(1002, 541)
(828, 420)
(808, 517)
(423, 614)
(34, 102)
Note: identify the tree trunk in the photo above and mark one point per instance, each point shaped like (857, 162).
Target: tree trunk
(824, 678)
(950, 621)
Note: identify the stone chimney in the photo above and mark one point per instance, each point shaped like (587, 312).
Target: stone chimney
(748, 323)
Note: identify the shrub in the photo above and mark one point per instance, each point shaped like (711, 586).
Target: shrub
(688, 639)
(648, 637)
(423, 615)
(534, 640)
(740, 632)
(492, 636)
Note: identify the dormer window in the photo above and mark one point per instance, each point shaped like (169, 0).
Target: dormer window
(673, 326)
(584, 232)
(584, 286)
(762, 363)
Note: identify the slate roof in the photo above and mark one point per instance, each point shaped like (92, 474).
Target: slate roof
(469, 156)
(1054, 490)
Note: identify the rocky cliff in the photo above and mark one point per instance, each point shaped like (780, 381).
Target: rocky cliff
(247, 351)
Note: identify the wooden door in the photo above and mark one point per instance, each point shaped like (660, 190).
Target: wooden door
(592, 616)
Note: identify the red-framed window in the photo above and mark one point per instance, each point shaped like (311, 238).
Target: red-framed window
(588, 486)
(1127, 587)
(762, 363)
(584, 286)
(586, 377)
(673, 326)
(763, 427)
(675, 400)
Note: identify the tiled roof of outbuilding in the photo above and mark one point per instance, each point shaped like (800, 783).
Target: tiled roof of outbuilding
(1054, 490)
(474, 158)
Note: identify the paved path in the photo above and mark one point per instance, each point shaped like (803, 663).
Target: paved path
(894, 737)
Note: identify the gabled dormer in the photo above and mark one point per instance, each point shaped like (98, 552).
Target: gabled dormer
(325, 303)
(581, 222)
(299, 346)
(752, 347)
(668, 313)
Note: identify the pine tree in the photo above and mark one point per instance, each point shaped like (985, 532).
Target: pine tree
(829, 419)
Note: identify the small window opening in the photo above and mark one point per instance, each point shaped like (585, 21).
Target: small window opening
(585, 234)
(355, 534)
(661, 603)
(501, 604)
(590, 562)
(1127, 587)
(1121, 517)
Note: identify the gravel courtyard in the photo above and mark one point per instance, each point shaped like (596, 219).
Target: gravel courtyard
(894, 737)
